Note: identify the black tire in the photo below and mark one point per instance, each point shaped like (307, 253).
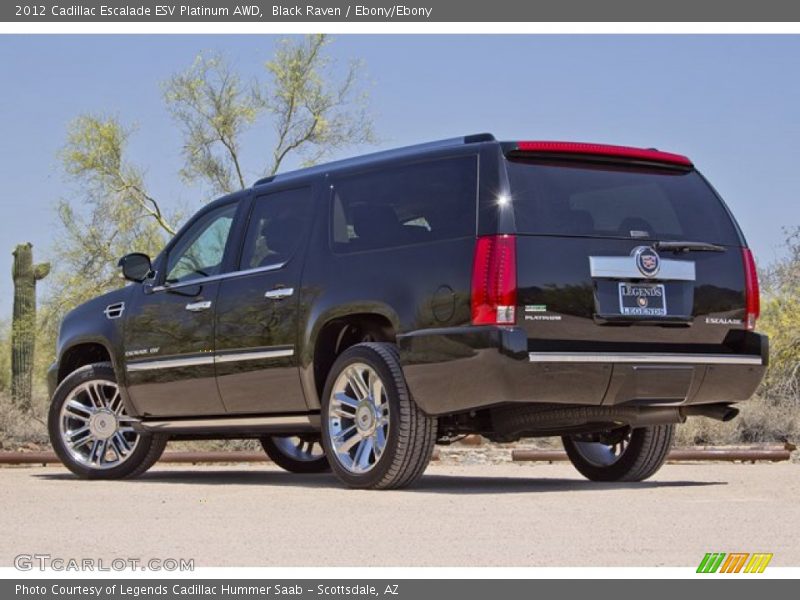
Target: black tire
(411, 434)
(144, 455)
(645, 452)
(274, 447)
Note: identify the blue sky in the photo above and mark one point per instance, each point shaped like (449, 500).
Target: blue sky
(732, 103)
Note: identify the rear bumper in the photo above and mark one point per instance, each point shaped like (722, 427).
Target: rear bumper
(459, 369)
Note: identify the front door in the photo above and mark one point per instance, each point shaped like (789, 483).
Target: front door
(169, 327)
(257, 309)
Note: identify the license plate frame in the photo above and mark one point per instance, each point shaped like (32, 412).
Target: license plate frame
(644, 299)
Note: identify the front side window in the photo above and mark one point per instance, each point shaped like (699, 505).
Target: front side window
(275, 228)
(410, 204)
(200, 250)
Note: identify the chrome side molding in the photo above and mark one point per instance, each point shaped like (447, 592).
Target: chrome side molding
(220, 277)
(170, 363)
(645, 358)
(207, 359)
(238, 356)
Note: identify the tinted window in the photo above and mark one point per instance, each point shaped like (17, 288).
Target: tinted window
(410, 204)
(200, 250)
(570, 198)
(275, 228)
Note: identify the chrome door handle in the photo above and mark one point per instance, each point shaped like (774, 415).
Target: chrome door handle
(198, 306)
(279, 293)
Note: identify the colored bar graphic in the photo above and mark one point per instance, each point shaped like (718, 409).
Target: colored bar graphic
(734, 562)
(758, 562)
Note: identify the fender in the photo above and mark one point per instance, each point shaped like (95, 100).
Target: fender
(94, 323)
(312, 324)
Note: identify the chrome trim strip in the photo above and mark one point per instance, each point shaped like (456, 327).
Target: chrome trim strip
(624, 267)
(192, 361)
(637, 358)
(235, 357)
(220, 277)
(170, 363)
(236, 422)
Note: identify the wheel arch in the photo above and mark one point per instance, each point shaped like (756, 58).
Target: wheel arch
(337, 332)
(82, 353)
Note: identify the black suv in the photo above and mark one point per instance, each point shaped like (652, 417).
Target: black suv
(354, 314)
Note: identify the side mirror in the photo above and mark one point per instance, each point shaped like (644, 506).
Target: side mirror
(136, 267)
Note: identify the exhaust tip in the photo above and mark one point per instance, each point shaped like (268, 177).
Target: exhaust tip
(720, 412)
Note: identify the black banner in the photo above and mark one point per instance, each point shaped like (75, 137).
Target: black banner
(407, 11)
(399, 589)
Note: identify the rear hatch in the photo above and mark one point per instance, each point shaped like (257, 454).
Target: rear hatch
(623, 252)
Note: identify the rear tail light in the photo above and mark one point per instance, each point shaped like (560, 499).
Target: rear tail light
(752, 300)
(494, 281)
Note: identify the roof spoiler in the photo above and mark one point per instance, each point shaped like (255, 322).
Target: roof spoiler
(650, 155)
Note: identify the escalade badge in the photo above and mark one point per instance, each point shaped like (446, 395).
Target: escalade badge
(647, 260)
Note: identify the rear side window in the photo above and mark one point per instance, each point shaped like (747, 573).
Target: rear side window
(276, 226)
(586, 199)
(409, 204)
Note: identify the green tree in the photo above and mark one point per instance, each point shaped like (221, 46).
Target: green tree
(313, 107)
(313, 115)
(313, 112)
(213, 108)
(116, 214)
(780, 319)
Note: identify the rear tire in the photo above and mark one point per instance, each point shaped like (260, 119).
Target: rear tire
(296, 454)
(374, 434)
(91, 431)
(634, 458)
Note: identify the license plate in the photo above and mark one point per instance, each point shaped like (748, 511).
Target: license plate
(642, 299)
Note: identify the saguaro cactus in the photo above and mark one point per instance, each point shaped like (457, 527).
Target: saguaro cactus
(23, 327)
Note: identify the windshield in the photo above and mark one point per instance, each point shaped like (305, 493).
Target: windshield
(573, 198)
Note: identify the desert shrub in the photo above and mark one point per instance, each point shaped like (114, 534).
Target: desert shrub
(760, 420)
(22, 429)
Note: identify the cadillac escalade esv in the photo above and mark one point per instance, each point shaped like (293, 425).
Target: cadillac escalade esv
(352, 315)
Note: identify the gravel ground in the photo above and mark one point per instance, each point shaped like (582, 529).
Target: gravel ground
(465, 511)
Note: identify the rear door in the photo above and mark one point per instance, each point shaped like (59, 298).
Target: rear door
(600, 303)
(257, 308)
(589, 276)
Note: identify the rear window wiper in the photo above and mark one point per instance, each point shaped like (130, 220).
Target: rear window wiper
(688, 246)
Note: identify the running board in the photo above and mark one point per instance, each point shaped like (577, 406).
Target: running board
(286, 424)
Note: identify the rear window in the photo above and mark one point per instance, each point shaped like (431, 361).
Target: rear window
(404, 205)
(586, 199)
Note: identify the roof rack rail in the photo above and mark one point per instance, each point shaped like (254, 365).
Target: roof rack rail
(457, 141)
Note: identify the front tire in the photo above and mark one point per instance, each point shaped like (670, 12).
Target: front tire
(92, 433)
(374, 434)
(296, 454)
(634, 455)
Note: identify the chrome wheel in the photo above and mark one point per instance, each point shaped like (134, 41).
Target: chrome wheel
(599, 454)
(299, 448)
(94, 427)
(358, 418)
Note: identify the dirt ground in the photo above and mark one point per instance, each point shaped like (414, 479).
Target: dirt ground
(458, 515)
